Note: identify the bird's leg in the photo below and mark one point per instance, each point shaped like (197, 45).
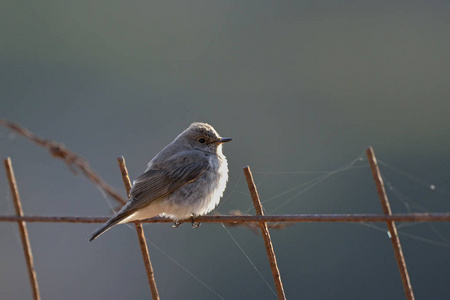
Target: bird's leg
(194, 224)
(176, 224)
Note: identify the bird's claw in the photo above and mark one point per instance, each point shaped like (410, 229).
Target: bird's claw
(195, 224)
(177, 224)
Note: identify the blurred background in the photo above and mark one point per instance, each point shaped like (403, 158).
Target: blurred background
(303, 87)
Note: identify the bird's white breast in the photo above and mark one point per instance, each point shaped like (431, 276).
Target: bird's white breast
(201, 196)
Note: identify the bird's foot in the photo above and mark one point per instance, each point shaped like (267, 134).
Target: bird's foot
(195, 224)
(176, 224)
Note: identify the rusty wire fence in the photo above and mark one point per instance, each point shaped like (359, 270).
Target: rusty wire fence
(78, 164)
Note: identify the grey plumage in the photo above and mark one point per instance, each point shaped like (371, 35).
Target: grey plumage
(187, 178)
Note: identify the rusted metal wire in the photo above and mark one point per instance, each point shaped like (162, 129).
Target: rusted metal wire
(140, 233)
(266, 235)
(390, 224)
(75, 162)
(78, 164)
(22, 228)
(240, 219)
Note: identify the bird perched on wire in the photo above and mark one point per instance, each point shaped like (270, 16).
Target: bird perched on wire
(186, 179)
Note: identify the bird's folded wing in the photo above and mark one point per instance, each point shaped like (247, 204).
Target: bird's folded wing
(157, 183)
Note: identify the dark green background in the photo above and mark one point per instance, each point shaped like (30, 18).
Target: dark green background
(299, 85)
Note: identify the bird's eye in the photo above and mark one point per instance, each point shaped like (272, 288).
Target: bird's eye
(202, 140)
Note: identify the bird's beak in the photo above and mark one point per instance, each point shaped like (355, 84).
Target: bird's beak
(223, 140)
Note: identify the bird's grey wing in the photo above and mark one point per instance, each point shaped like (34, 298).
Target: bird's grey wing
(155, 184)
(159, 182)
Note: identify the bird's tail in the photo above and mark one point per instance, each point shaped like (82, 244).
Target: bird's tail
(110, 223)
(122, 216)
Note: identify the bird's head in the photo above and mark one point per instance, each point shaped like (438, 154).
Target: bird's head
(204, 137)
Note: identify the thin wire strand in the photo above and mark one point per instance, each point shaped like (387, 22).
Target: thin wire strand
(359, 158)
(249, 260)
(408, 204)
(179, 265)
(310, 184)
(231, 193)
(411, 236)
(413, 178)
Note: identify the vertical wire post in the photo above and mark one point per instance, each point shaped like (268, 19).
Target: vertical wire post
(265, 233)
(140, 233)
(22, 228)
(390, 224)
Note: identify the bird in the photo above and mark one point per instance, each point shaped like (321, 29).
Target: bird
(184, 180)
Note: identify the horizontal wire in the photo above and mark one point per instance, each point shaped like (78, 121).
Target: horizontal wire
(293, 218)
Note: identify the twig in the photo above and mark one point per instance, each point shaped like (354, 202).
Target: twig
(74, 161)
(140, 233)
(22, 228)
(265, 233)
(297, 218)
(390, 224)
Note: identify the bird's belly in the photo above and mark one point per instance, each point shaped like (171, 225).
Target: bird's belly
(197, 198)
